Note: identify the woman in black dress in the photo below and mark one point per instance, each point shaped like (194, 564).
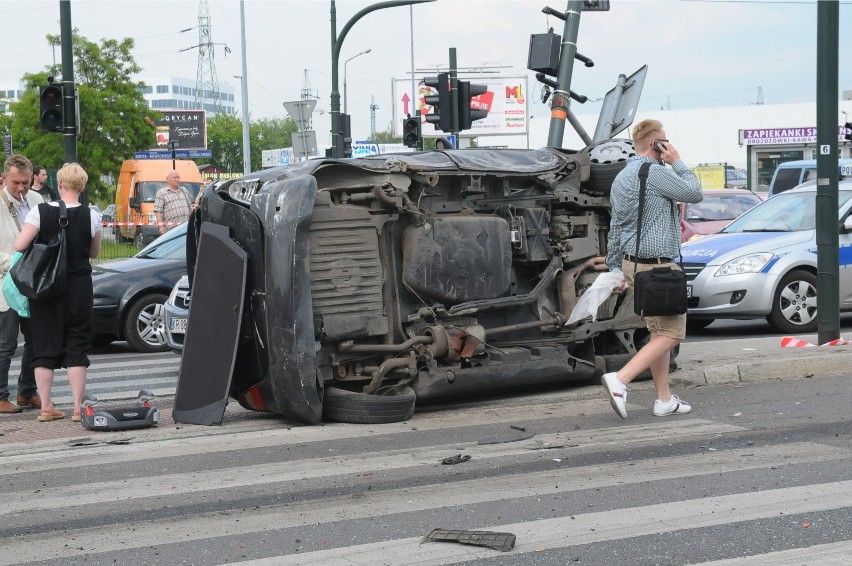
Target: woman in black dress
(61, 327)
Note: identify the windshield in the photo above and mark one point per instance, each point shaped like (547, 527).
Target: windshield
(787, 212)
(720, 207)
(148, 189)
(171, 245)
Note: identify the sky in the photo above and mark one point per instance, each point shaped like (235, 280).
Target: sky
(700, 53)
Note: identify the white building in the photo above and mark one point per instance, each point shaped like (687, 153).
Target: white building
(179, 94)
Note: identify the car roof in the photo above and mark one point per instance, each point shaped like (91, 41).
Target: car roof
(731, 191)
(809, 186)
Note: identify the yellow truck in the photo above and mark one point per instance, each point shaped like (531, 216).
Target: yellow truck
(138, 183)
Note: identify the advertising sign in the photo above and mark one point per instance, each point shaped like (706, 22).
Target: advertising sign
(276, 157)
(505, 100)
(711, 176)
(363, 148)
(784, 135)
(186, 127)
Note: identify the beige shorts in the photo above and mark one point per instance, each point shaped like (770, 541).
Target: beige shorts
(671, 326)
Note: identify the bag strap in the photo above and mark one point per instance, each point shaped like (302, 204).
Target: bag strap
(643, 179)
(11, 209)
(63, 215)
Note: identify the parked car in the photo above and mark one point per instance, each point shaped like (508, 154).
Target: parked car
(108, 215)
(716, 211)
(176, 311)
(129, 293)
(370, 282)
(764, 264)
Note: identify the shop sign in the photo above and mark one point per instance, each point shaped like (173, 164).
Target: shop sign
(772, 136)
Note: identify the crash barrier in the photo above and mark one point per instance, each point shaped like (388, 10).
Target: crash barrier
(116, 246)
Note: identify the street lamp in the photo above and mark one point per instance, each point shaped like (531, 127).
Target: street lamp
(344, 75)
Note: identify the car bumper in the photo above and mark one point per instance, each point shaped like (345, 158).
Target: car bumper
(747, 295)
(175, 321)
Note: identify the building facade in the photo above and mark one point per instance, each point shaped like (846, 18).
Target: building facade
(174, 93)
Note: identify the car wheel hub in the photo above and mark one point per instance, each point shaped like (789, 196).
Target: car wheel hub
(151, 325)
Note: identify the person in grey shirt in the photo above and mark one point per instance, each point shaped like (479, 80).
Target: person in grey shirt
(659, 246)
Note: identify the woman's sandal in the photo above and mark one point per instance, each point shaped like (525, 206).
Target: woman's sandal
(50, 415)
(76, 417)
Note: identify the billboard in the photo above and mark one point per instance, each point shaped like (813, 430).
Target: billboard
(505, 100)
(186, 127)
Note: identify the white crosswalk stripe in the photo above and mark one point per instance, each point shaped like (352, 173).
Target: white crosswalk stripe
(260, 493)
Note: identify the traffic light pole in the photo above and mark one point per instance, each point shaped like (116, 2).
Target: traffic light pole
(561, 96)
(69, 110)
(336, 45)
(454, 95)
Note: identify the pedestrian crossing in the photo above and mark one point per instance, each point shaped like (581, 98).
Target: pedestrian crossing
(573, 483)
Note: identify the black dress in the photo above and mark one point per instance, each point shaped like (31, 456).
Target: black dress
(61, 327)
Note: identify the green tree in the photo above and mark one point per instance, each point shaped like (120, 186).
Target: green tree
(270, 133)
(114, 118)
(225, 141)
(385, 136)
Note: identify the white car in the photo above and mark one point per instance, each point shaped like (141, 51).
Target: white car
(764, 264)
(176, 313)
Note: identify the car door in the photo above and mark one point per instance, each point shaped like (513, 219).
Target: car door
(845, 256)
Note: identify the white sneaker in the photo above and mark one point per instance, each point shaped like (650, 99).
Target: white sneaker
(617, 393)
(673, 406)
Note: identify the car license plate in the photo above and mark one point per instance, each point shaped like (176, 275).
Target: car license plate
(689, 291)
(177, 325)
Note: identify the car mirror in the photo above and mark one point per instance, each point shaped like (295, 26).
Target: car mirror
(134, 203)
(847, 225)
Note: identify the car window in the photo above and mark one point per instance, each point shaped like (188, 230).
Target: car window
(171, 245)
(786, 212)
(148, 189)
(720, 207)
(786, 179)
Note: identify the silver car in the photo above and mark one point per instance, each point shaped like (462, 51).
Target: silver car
(176, 315)
(764, 264)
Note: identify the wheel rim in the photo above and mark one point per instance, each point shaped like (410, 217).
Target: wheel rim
(798, 303)
(151, 325)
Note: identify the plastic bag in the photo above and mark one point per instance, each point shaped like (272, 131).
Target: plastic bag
(13, 296)
(594, 297)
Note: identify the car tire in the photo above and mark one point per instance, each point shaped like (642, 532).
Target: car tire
(794, 308)
(391, 404)
(607, 159)
(144, 324)
(693, 324)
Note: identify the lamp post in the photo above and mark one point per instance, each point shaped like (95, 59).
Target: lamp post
(344, 75)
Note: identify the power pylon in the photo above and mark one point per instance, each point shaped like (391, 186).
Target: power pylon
(206, 83)
(373, 108)
(308, 94)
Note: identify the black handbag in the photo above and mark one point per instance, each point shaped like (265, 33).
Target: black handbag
(42, 271)
(660, 291)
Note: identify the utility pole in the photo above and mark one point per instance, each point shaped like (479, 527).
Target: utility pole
(244, 88)
(69, 97)
(827, 200)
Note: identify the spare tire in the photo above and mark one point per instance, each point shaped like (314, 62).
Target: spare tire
(607, 159)
(390, 404)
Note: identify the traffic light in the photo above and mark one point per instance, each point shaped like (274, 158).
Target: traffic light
(468, 115)
(441, 114)
(50, 114)
(848, 135)
(411, 132)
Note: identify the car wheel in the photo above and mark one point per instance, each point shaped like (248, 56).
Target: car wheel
(693, 324)
(144, 325)
(389, 405)
(607, 159)
(794, 307)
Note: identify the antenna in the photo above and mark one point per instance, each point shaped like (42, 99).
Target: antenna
(759, 101)
(373, 108)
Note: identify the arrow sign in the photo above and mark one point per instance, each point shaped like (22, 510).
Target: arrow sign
(405, 101)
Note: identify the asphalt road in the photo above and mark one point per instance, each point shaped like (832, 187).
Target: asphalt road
(758, 473)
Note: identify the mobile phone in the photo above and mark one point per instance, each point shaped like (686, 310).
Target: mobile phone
(659, 146)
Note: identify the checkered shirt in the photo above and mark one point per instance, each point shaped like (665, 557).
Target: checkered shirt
(660, 221)
(174, 205)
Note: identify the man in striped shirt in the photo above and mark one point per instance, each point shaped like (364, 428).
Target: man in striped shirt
(659, 245)
(173, 203)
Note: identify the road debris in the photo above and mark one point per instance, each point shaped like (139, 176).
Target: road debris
(457, 459)
(489, 539)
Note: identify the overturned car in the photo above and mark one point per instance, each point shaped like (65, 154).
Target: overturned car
(374, 282)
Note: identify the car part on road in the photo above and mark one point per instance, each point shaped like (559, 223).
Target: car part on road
(141, 415)
(794, 308)
(503, 542)
(144, 326)
(607, 159)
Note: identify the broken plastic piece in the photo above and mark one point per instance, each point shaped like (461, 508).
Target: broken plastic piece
(489, 539)
(457, 459)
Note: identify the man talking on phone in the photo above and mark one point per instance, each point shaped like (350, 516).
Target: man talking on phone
(659, 247)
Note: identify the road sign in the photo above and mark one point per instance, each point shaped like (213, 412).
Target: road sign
(7, 144)
(179, 154)
(304, 143)
(300, 111)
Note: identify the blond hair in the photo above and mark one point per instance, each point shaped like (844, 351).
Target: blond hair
(72, 177)
(19, 162)
(643, 133)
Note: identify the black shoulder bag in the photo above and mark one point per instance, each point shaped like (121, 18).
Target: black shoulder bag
(660, 291)
(42, 271)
